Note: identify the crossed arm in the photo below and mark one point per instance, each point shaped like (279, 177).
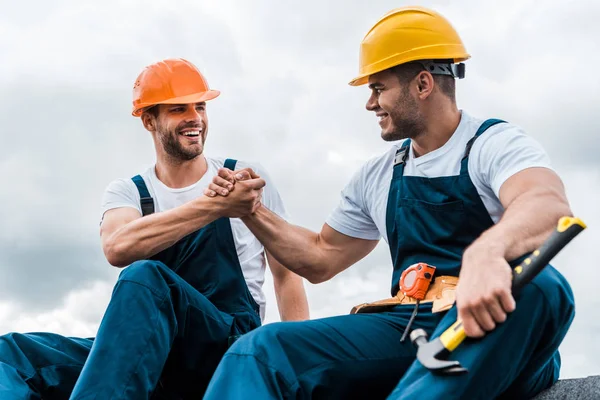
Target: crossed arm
(126, 237)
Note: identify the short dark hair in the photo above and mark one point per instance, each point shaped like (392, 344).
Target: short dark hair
(406, 72)
(152, 110)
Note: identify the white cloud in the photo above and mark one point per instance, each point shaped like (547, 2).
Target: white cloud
(283, 72)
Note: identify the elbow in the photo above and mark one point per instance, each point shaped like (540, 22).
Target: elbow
(317, 276)
(116, 254)
(315, 279)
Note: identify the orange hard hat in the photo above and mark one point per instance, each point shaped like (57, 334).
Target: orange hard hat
(171, 81)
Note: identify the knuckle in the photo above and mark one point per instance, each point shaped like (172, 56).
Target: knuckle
(489, 299)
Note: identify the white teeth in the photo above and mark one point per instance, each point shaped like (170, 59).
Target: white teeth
(191, 133)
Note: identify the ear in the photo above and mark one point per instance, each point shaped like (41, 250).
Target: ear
(149, 121)
(425, 84)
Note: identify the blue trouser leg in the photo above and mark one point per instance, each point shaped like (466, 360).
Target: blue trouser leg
(360, 356)
(40, 365)
(152, 312)
(516, 361)
(156, 325)
(351, 356)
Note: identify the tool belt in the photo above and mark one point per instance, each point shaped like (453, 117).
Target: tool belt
(442, 292)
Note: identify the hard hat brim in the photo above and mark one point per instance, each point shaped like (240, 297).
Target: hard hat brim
(359, 80)
(189, 99)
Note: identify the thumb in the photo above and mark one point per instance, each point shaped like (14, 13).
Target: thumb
(256, 183)
(243, 176)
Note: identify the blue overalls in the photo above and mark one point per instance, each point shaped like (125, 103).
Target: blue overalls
(360, 356)
(168, 323)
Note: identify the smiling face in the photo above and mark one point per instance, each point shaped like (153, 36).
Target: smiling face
(181, 129)
(395, 104)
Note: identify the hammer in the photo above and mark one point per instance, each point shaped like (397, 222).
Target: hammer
(432, 354)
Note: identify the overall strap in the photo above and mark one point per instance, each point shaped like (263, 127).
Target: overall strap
(230, 164)
(484, 127)
(146, 201)
(402, 153)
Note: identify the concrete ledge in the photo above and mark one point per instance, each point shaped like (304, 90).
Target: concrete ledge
(579, 388)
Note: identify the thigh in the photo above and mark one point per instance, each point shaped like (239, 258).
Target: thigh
(50, 363)
(202, 339)
(525, 343)
(357, 356)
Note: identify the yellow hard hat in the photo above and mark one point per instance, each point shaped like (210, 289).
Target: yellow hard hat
(408, 34)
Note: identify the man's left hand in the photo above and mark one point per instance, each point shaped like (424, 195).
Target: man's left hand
(224, 182)
(483, 294)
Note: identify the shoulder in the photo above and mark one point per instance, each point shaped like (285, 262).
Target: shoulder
(373, 176)
(126, 187)
(502, 151)
(121, 185)
(376, 168)
(504, 137)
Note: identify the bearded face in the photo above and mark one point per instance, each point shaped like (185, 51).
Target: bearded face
(397, 110)
(181, 130)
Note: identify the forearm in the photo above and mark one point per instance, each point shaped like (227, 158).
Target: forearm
(147, 236)
(526, 223)
(295, 247)
(291, 299)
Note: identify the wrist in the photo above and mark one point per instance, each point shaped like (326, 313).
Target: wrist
(211, 207)
(255, 215)
(492, 243)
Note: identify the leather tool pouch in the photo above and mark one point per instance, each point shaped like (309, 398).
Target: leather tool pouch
(442, 293)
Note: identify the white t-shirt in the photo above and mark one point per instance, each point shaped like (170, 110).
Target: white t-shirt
(124, 193)
(499, 153)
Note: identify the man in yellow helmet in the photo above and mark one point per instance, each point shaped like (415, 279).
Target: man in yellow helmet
(467, 196)
(193, 273)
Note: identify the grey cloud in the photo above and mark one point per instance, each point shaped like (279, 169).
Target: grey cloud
(37, 277)
(283, 72)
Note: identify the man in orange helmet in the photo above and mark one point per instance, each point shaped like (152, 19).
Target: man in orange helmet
(458, 193)
(193, 284)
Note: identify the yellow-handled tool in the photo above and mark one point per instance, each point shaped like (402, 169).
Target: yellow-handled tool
(428, 352)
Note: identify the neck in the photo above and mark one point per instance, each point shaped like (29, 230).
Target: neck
(178, 174)
(441, 123)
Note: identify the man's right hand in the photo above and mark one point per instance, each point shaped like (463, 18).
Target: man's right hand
(242, 189)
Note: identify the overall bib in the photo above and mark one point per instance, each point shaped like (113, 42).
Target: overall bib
(169, 321)
(428, 220)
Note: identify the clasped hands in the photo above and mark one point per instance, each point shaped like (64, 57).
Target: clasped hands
(239, 192)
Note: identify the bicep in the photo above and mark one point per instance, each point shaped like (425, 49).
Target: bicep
(531, 179)
(343, 250)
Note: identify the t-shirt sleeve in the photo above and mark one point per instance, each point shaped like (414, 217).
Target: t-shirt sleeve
(498, 155)
(351, 217)
(120, 193)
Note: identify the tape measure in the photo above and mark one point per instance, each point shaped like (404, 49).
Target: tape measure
(415, 280)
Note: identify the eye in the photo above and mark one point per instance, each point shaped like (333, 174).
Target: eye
(177, 109)
(201, 107)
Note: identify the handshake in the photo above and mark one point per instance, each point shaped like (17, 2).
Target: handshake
(237, 193)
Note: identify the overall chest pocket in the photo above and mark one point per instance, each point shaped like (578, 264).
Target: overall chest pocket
(422, 222)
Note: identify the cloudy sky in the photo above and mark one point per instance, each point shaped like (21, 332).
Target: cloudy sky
(66, 76)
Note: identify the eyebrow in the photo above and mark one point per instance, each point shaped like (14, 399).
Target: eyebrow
(202, 103)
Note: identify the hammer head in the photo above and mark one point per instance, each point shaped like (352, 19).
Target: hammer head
(428, 353)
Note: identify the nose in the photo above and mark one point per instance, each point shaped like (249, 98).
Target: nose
(192, 114)
(372, 103)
